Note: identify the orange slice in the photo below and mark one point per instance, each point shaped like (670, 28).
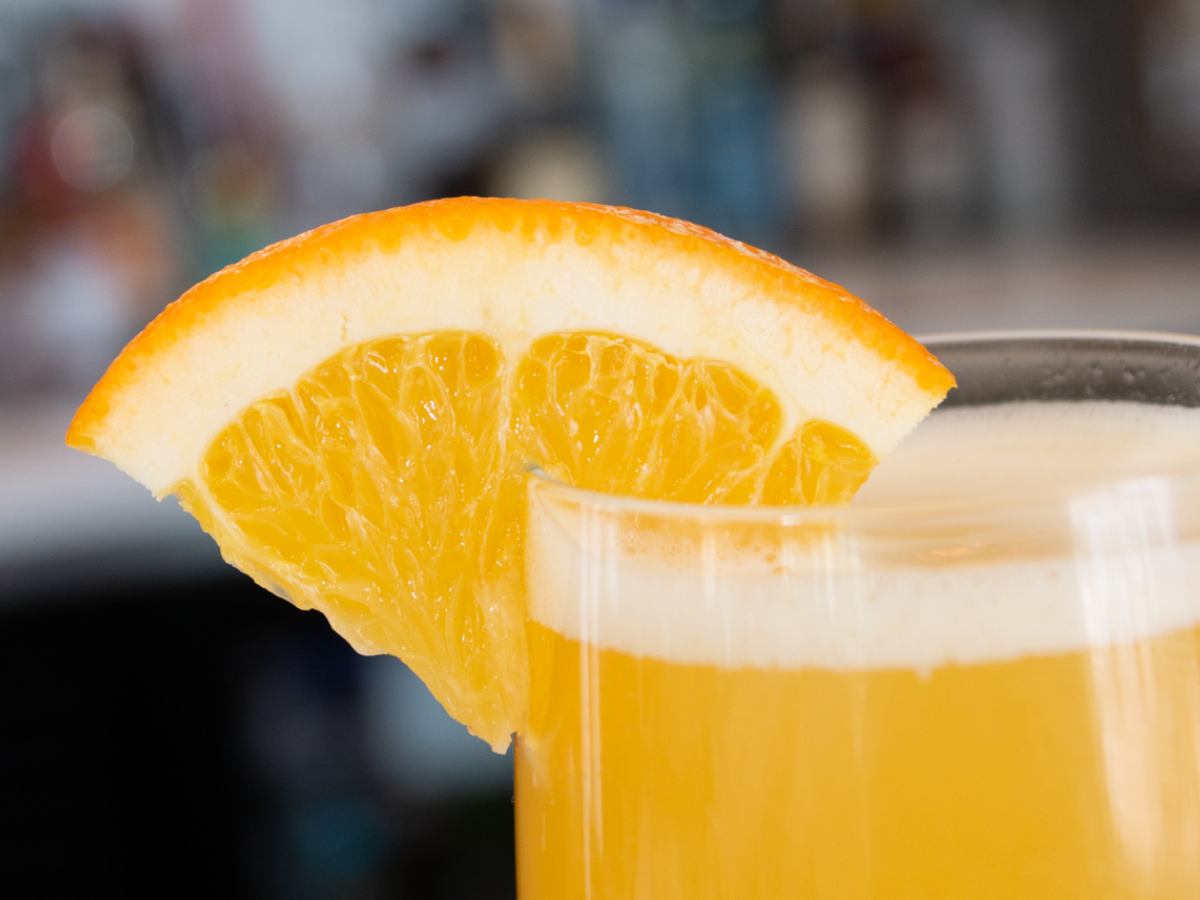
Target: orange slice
(350, 413)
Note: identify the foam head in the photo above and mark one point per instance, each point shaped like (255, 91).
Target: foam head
(992, 533)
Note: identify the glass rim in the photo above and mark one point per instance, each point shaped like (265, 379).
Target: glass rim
(1048, 334)
(884, 514)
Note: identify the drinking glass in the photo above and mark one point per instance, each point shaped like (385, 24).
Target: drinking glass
(985, 692)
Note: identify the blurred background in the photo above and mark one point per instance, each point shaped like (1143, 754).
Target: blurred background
(166, 729)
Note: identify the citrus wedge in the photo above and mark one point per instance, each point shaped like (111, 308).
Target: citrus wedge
(351, 413)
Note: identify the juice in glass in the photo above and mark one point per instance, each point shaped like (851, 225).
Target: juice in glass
(982, 682)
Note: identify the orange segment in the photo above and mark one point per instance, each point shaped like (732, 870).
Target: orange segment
(621, 416)
(378, 490)
(350, 413)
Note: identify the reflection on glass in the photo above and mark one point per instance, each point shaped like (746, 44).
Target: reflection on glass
(1145, 675)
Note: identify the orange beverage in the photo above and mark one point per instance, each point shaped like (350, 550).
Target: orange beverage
(998, 702)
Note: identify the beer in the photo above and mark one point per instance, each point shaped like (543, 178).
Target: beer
(825, 715)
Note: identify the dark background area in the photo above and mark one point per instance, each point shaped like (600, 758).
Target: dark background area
(166, 729)
(142, 731)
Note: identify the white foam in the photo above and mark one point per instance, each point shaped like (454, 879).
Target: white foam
(1032, 448)
(1112, 566)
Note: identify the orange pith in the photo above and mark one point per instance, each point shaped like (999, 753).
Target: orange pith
(385, 488)
(539, 221)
